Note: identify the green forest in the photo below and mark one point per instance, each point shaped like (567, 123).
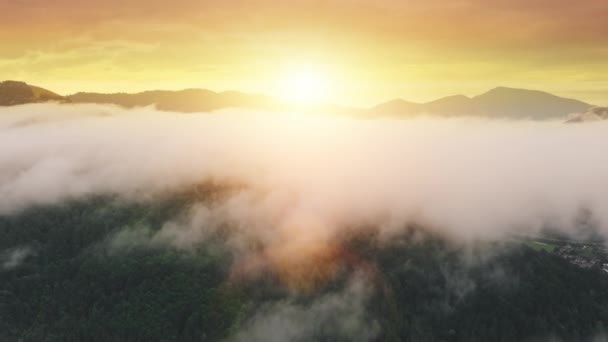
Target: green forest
(67, 284)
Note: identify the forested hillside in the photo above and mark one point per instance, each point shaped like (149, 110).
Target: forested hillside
(89, 271)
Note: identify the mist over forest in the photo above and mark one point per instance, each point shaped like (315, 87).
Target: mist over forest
(137, 224)
(303, 171)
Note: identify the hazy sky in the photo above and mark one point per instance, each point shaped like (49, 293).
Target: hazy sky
(370, 50)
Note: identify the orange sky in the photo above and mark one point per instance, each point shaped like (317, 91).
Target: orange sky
(372, 50)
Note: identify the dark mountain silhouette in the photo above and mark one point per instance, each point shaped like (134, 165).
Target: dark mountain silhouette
(203, 100)
(593, 114)
(188, 100)
(397, 107)
(520, 103)
(15, 93)
(499, 102)
(457, 103)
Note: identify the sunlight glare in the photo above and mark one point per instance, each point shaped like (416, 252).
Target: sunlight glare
(304, 85)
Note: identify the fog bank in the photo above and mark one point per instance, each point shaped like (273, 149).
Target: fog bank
(305, 177)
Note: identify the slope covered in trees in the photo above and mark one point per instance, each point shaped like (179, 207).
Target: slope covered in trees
(89, 271)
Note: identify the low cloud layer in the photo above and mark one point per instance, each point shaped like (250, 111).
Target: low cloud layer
(14, 257)
(297, 183)
(335, 314)
(304, 177)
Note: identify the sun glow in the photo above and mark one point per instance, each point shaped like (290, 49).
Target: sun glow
(304, 85)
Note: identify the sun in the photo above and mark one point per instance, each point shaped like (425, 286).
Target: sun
(304, 84)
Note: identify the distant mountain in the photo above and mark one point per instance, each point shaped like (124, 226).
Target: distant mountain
(457, 103)
(499, 102)
(15, 93)
(593, 114)
(188, 100)
(397, 107)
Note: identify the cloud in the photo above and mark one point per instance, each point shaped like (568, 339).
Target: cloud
(14, 257)
(295, 184)
(340, 314)
(303, 178)
(397, 48)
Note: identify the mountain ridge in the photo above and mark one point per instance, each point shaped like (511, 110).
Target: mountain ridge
(593, 114)
(186, 100)
(16, 93)
(502, 102)
(498, 102)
